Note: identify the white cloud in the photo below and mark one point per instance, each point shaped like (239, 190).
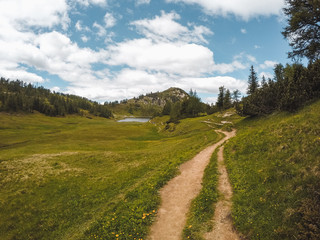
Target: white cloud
(174, 58)
(212, 84)
(224, 68)
(55, 89)
(240, 62)
(168, 54)
(266, 75)
(78, 26)
(210, 100)
(84, 38)
(244, 9)
(21, 73)
(251, 58)
(257, 47)
(93, 2)
(52, 52)
(140, 2)
(243, 31)
(109, 20)
(34, 13)
(268, 64)
(165, 28)
(101, 30)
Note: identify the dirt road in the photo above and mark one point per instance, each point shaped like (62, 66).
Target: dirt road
(223, 226)
(177, 195)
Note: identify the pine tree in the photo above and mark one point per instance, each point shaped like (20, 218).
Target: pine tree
(278, 72)
(236, 96)
(303, 30)
(264, 83)
(175, 113)
(227, 100)
(252, 81)
(220, 98)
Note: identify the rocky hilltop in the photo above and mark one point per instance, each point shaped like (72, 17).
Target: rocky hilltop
(149, 104)
(161, 98)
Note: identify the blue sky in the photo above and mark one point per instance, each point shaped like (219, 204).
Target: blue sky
(109, 50)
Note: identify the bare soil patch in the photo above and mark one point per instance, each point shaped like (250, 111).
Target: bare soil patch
(223, 226)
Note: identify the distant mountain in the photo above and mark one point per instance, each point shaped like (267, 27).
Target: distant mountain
(160, 98)
(150, 104)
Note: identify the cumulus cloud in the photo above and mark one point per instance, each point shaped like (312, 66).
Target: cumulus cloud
(244, 9)
(109, 20)
(240, 62)
(168, 54)
(84, 38)
(140, 2)
(183, 59)
(101, 31)
(93, 2)
(34, 13)
(268, 64)
(21, 73)
(166, 28)
(64, 58)
(78, 25)
(212, 84)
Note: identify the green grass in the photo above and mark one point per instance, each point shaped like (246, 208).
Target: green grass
(274, 168)
(80, 178)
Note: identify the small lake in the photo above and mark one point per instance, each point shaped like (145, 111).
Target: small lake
(132, 119)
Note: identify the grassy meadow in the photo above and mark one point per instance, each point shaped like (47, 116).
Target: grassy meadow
(79, 178)
(274, 168)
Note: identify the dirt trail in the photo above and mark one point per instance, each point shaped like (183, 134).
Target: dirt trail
(176, 196)
(223, 227)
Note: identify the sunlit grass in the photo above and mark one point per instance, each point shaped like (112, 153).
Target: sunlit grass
(79, 178)
(273, 164)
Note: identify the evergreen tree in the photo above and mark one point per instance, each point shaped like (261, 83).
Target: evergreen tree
(236, 96)
(220, 97)
(175, 113)
(19, 96)
(252, 82)
(264, 83)
(167, 108)
(278, 72)
(227, 100)
(303, 30)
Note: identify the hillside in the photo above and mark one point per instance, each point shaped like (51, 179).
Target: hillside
(161, 98)
(150, 104)
(274, 166)
(18, 96)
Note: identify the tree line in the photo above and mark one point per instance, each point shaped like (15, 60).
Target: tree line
(18, 96)
(291, 87)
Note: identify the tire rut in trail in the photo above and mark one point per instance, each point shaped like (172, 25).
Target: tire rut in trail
(177, 195)
(223, 228)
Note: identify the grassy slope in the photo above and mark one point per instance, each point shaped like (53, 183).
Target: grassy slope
(62, 176)
(274, 167)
